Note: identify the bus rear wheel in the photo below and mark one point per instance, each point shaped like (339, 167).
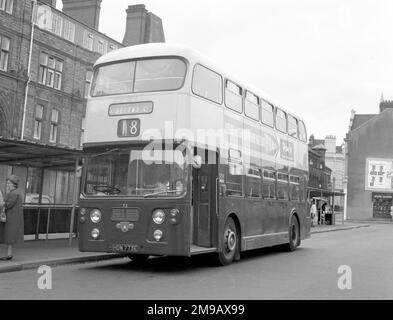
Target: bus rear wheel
(294, 235)
(229, 243)
(138, 258)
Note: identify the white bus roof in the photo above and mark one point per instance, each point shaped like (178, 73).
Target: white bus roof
(171, 49)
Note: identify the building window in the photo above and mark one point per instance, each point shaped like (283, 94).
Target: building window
(69, 31)
(100, 46)
(88, 41)
(33, 184)
(4, 52)
(51, 71)
(6, 5)
(43, 17)
(83, 131)
(57, 24)
(54, 124)
(39, 115)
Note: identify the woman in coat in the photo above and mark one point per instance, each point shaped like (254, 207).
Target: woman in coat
(12, 230)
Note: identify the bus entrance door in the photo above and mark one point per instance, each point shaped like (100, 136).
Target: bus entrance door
(204, 204)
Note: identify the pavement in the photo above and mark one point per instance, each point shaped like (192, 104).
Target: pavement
(33, 254)
(338, 227)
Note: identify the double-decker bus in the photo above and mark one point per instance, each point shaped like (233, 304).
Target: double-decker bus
(184, 159)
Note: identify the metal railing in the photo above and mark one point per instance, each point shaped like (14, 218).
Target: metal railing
(49, 208)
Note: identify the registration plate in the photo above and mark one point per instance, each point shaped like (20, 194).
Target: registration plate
(124, 247)
(128, 128)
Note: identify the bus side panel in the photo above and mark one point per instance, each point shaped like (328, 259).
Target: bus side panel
(304, 220)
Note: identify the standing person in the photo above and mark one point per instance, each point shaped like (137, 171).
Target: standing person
(314, 215)
(12, 230)
(323, 221)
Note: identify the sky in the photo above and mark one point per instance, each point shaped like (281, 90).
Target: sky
(318, 58)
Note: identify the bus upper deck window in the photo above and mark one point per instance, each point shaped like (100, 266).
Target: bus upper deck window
(251, 106)
(292, 126)
(302, 131)
(281, 120)
(114, 78)
(159, 74)
(233, 96)
(267, 113)
(207, 84)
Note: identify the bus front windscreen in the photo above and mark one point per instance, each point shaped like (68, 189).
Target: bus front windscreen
(145, 75)
(127, 172)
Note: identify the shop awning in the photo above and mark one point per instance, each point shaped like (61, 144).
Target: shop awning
(35, 154)
(316, 192)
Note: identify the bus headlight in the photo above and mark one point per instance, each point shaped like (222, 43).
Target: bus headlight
(95, 233)
(95, 216)
(83, 212)
(158, 216)
(157, 235)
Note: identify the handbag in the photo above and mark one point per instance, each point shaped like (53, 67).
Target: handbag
(3, 217)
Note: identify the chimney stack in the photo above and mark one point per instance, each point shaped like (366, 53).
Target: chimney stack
(85, 11)
(385, 104)
(142, 26)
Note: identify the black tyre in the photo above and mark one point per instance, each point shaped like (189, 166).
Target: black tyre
(230, 243)
(138, 258)
(294, 235)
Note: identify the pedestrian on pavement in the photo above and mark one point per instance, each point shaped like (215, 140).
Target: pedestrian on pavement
(323, 213)
(314, 215)
(11, 231)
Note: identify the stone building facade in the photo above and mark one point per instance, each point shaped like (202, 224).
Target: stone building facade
(335, 160)
(319, 172)
(50, 54)
(369, 164)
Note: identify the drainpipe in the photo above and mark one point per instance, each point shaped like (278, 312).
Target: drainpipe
(34, 5)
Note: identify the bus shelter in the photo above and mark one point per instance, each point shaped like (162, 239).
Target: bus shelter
(325, 196)
(21, 156)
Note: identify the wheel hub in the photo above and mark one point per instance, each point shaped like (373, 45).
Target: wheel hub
(230, 240)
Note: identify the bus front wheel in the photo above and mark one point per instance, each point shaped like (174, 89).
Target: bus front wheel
(229, 243)
(294, 235)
